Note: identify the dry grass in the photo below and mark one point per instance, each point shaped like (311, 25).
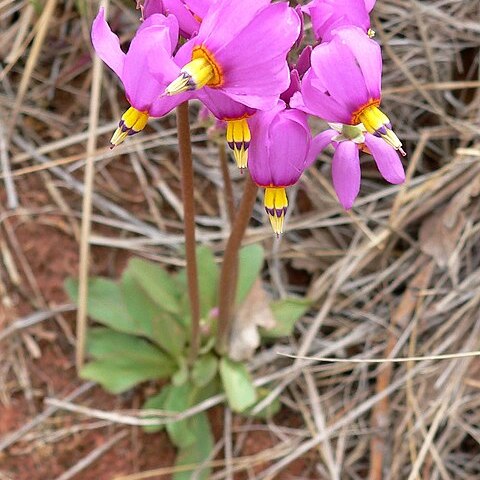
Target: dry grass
(398, 276)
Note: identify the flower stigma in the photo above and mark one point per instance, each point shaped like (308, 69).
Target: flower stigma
(200, 71)
(132, 122)
(238, 139)
(276, 203)
(378, 124)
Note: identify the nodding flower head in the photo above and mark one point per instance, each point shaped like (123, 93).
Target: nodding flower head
(344, 84)
(348, 141)
(156, 37)
(231, 53)
(279, 153)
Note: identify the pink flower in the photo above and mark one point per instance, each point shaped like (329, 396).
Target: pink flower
(279, 153)
(347, 142)
(240, 50)
(344, 84)
(157, 36)
(328, 15)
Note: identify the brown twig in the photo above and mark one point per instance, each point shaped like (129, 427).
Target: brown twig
(186, 164)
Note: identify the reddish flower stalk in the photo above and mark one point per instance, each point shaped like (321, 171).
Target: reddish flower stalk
(228, 276)
(185, 153)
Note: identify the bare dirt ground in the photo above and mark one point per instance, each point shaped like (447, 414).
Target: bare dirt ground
(397, 276)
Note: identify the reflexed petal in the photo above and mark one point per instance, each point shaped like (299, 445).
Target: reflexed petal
(107, 44)
(261, 70)
(319, 143)
(199, 7)
(386, 158)
(289, 144)
(346, 173)
(339, 73)
(151, 7)
(327, 15)
(141, 87)
(367, 55)
(304, 60)
(221, 105)
(369, 4)
(316, 101)
(226, 19)
(188, 24)
(295, 86)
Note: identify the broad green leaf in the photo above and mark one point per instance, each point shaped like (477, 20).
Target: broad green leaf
(149, 319)
(269, 411)
(204, 370)
(157, 402)
(250, 262)
(237, 384)
(157, 283)
(122, 361)
(181, 375)
(105, 303)
(208, 274)
(198, 451)
(179, 399)
(286, 313)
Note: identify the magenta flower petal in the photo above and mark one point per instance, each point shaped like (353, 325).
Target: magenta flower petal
(107, 44)
(327, 15)
(255, 60)
(337, 70)
(199, 7)
(295, 86)
(386, 158)
(314, 99)
(279, 147)
(346, 173)
(188, 24)
(221, 105)
(141, 88)
(151, 7)
(367, 56)
(319, 143)
(290, 138)
(226, 20)
(304, 60)
(369, 4)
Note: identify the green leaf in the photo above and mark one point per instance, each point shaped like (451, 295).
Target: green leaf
(204, 370)
(208, 274)
(286, 313)
(157, 283)
(237, 384)
(157, 402)
(122, 361)
(179, 399)
(105, 303)
(198, 451)
(250, 262)
(149, 319)
(269, 411)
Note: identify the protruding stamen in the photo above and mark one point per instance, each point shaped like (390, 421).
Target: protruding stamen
(276, 204)
(132, 122)
(378, 124)
(200, 71)
(238, 139)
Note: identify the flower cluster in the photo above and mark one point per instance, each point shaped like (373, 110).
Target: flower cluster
(236, 58)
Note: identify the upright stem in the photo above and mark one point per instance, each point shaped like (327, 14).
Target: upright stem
(186, 166)
(227, 182)
(228, 275)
